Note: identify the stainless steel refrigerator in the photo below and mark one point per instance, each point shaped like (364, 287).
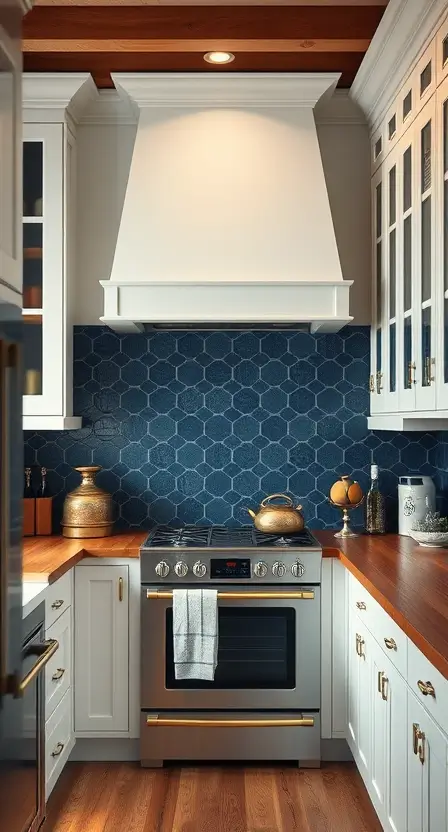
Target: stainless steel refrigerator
(22, 645)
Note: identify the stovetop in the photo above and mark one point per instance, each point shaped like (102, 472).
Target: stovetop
(224, 537)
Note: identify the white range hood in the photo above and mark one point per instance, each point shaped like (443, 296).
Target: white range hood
(226, 219)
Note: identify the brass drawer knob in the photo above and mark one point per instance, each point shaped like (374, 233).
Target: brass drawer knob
(390, 643)
(361, 605)
(58, 750)
(426, 688)
(56, 604)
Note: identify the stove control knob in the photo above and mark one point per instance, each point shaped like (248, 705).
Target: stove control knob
(162, 569)
(181, 569)
(278, 569)
(297, 569)
(260, 569)
(199, 569)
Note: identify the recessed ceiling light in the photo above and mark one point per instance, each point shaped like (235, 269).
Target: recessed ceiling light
(219, 57)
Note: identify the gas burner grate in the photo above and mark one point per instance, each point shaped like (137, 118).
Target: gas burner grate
(223, 537)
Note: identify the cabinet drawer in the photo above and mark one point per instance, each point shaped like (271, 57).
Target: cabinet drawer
(428, 685)
(386, 632)
(58, 741)
(58, 670)
(58, 597)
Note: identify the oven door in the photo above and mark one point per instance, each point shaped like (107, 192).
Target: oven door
(268, 653)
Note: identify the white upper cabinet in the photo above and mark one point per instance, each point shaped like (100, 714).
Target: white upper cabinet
(10, 161)
(409, 140)
(51, 104)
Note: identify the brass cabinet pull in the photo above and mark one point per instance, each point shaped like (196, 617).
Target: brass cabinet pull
(361, 605)
(411, 370)
(120, 589)
(426, 688)
(371, 383)
(418, 742)
(44, 651)
(156, 721)
(384, 681)
(58, 674)
(305, 594)
(421, 748)
(379, 383)
(359, 645)
(390, 643)
(415, 733)
(56, 604)
(380, 680)
(58, 750)
(428, 378)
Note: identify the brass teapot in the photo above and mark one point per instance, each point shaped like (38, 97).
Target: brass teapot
(282, 518)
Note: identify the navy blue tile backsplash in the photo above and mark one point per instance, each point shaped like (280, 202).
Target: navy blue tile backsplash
(195, 427)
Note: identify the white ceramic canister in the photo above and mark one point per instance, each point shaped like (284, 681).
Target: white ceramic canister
(416, 496)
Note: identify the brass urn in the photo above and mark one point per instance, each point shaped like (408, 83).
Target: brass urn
(88, 510)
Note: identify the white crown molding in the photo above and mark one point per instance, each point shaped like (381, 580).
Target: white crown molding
(403, 31)
(339, 109)
(219, 90)
(108, 107)
(61, 93)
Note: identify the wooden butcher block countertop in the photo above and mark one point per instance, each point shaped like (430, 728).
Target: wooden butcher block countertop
(410, 583)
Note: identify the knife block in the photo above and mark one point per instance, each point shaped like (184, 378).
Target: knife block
(44, 507)
(29, 516)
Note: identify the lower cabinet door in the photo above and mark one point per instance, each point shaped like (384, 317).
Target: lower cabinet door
(359, 699)
(101, 649)
(59, 741)
(427, 771)
(388, 767)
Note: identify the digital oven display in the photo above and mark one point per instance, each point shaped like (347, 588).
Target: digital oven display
(229, 568)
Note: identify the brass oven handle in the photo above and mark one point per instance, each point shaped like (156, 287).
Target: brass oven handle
(305, 594)
(361, 605)
(426, 688)
(58, 750)
(390, 643)
(58, 674)
(45, 651)
(57, 604)
(156, 721)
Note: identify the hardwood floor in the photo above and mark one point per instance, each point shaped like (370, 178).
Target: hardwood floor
(122, 797)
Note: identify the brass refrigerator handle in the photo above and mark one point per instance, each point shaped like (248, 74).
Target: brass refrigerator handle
(303, 722)
(305, 594)
(44, 651)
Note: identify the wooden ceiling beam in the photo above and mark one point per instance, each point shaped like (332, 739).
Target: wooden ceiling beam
(154, 22)
(230, 45)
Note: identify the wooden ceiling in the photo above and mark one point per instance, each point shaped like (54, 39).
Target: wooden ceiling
(104, 36)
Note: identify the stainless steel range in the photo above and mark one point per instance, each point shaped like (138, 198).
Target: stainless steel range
(264, 702)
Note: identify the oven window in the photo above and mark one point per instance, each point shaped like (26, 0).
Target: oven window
(256, 650)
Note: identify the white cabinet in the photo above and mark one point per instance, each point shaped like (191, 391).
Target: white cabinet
(409, 359)
(388, 768)
(50, 107)
(101, 650)
(10, 159)
(427, 757)
(359, 694)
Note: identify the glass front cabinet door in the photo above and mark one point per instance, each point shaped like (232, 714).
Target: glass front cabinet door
(441, 172)
(48, 165)
(377, 357)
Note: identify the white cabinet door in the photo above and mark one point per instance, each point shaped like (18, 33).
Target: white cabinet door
(101, 649)
(359, 694)
(441, 272)
(388, 784)
(11, 148)
(427, 771)
(377, 359)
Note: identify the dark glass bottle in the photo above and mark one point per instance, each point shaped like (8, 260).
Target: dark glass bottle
(43, 487)
(375, 505)
(28, 491)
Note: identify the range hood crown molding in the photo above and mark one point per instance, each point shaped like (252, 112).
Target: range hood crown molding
(237, 89)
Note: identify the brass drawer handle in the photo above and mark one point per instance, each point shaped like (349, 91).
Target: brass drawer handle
(418, 742)
(120, 589)
(155, 721)
(56, 604)
(58, 750)
(58, 674)
(361, 605)
(426, 688)
(359, 645)
(390, 643)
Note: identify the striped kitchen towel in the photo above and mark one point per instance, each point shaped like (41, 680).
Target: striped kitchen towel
(195, 633)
